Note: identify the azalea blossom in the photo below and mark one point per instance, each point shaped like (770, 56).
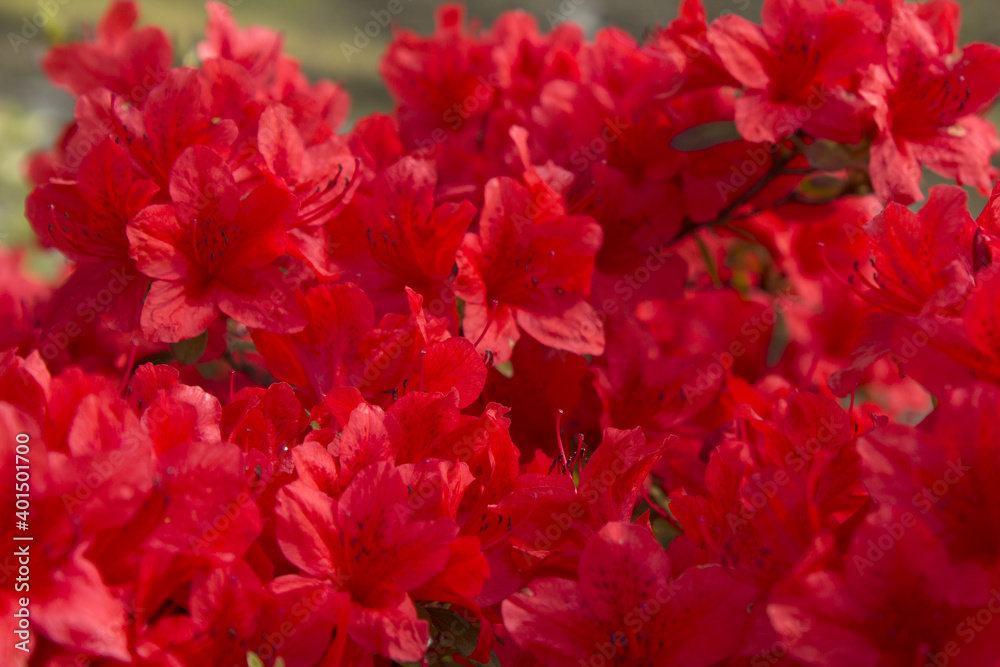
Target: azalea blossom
(594, 350)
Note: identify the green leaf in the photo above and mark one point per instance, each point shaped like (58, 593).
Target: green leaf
(704, 136)
(710, 266)
(494, 661)
(189, 351)
(828, 155)
(780, 339)
(454, 632)
(820, 188)
(505, 369)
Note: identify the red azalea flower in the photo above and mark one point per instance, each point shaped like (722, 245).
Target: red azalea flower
(926, 102)
(945, 472)
(322, 176)
(542, 521)
(321, 173)
(213, 249)
(23, 300)
(375, 141)
(70, 601)
(174, 117)
(890, 599)
(316, 616)
(772, 487)
(916, 256)
(256, 49)
(272, 76)
(87, 221)
(366, 544)
(395, 237)
(795, 67)
(626, 608)
(428, 75)
(225, 610)
(529, 267)
(126, 61)
(641, 386)
(341, 348)
(545, 381)
(323, 355)
(685, 42)
(417, 353)
(924, 274)
(268, 420)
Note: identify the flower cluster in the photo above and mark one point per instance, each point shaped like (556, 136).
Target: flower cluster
(593, 352)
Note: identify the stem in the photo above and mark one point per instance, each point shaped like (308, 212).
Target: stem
(129, 365)
(251, 371)
(706, 255)
(777, 168)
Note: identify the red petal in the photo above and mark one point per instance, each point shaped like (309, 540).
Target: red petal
(742, 48)
(307, 529)
(161, 243)
(451, 364)
(263, 300)
(173, 312)
(393, 631)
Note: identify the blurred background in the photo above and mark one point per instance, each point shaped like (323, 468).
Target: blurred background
(32, 112)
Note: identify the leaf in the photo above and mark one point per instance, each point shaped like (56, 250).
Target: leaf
(779, 341)
(707, 135)
(505, 369)
(188, 352)
(828, 155)
(494, 661)
(821, 188)
(463, 634)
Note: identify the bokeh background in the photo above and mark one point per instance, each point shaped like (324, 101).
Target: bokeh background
(32, 112)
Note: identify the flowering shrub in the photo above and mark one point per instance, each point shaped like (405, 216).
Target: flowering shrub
(592, 352)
